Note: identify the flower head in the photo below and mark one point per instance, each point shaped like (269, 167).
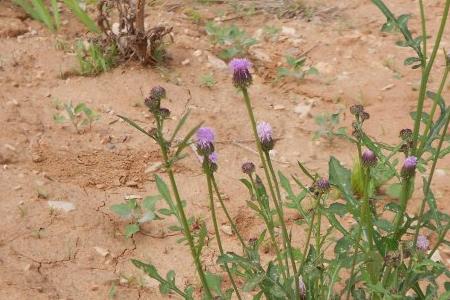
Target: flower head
(212, 160)
(248, 168)
(265, 132)
(356, 109)
(322, 185)
(241, 74)
(409, 166)
(369, 159)
(164, 112)
(158, 92)
(422, 243)
(205, 140)
(406, 134)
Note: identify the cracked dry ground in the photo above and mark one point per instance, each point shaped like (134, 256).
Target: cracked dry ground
(81, 254)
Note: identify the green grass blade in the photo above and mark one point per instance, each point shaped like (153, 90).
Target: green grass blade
(82, 15)
(56, 14)
(44, 14)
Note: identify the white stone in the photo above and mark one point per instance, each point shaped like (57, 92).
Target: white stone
(102, 251)
(61, 205)
(226, 229)
(288, 31)
(216, 62)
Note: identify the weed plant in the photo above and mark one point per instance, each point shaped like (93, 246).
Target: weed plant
(385, 252)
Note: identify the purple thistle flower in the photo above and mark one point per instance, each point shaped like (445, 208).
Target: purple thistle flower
(265, 132)
(422, 243)
(409, 166)
(241, 74)
(205, 140)
(158, 92)
(369, 159)
(323, 185)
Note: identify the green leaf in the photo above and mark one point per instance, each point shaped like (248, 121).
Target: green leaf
(340, 177)
(132, 123)
(338, 209)
(58, 118)
(150, 202)
(384, 225)
(131, 229)
(79, 108)
(394, 190)
(214, 282)
(251, 284)
(123, 210)
(185, 142)
(179, 125)
(411, 60)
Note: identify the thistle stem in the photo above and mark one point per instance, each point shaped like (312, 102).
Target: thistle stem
(225, 210)
(426, 75)
(209, 179)
(180, 209)
(404, 197)
(433, 111)
(269, 224)
(286, 242)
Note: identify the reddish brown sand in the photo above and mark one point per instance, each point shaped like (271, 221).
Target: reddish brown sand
(81, 254)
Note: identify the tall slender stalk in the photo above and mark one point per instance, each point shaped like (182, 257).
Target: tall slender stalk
(180, 209)
(430, 178)
(225, 210)
(286, 241)
(270, 227)
(404, 197)
(216, 228)
(433, 111)
(426, 75)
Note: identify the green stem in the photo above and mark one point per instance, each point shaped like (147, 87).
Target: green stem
(352, 272)
(424, 32)
(180, 209)
(209, 179)
(440, 240)
(308, 238)
(404, 197)
(266, 171)
(270, 226)
(433, 111)
(279, 209)
(430, 178)
(366, 220)
(426, 75)
(225, 210)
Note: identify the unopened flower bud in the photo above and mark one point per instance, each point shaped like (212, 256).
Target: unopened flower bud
(356, 109)
(302, 288)
(406, 134)
(164, 112)
(158, 92)
(364, 116)
(409, 166)
(369, 159)
(212, 160)
(248, 168)
(322, 185)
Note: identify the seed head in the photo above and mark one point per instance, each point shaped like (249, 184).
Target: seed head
(409, 166)
(406, 134)
(422, 243)
(264, 131)
(241, 74)
(205, 140)
(369, 159)
(248, 168)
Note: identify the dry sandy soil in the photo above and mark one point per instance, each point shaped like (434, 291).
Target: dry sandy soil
(81, 254)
